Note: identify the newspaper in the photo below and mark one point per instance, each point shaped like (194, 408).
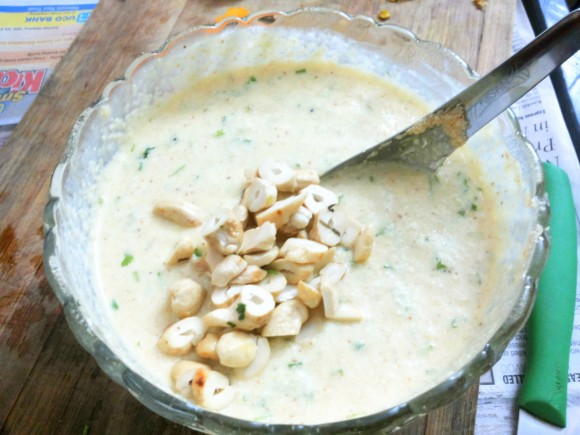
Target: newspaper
(542, 122)
(34, 35)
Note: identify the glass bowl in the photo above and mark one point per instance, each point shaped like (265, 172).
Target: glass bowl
(428, 70)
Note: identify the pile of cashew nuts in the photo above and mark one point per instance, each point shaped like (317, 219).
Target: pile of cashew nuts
(264, 264)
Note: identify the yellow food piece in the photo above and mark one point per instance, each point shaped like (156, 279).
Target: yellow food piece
(239, 12)
(384, 15)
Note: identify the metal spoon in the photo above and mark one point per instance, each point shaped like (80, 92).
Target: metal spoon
(433, 138)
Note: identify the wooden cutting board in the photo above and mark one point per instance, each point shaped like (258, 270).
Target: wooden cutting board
(48, 384)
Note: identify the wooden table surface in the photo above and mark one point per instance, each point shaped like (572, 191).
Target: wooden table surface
(48, 383)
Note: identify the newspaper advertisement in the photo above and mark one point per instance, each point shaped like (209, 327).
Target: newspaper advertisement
(542, 123)
(34, 35)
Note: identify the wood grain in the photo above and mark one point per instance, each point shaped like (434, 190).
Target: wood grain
(49, 384)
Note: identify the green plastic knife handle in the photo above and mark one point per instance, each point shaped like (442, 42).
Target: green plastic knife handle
(549, 330)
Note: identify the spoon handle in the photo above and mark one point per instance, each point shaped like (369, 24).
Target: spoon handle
(507, 83)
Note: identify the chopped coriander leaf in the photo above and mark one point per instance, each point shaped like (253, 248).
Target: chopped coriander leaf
(140, 166)
(292, 364)
(440, 265)
(197, 252)
(359, 345)
(339, 372)
(241, 310)
(473, 207)
(300, 71)
(232, 324)
(381, 232)
(340, 197)
(100, 201)
(136, 276)
(177, 171)
(132, 148)
(114, 305)
(272, 272)
(147, 151)
(454, 323)
(219, 133)
(252, 79)
(461, 212)
(388, 267)
(127, 260)
(86, 429)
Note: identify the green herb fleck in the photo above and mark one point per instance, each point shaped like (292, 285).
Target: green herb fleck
(461, 212)
(252, 79)
(100, 201)
(359, 346)
(339, 372)
(388, 267)
(372, 178)
(132, 148)
(114, 305)
(473, 206)
(197, 252)
(441, 266)
(241, 310)
(454, 323)
(340, 197)
(86, 429)
(127, 260)
(381, 232)
(140, 166)
(272, 272)
(136, 276)
(232, 324)
(177, 171)
(219, 133)
(293, 364)
(147, 151)
(300, 71)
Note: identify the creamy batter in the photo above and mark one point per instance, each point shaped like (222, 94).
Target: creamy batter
(421, 291)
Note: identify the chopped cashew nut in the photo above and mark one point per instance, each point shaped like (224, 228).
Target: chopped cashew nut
(306, 177)
(186, 297)
(223, 233)
(322, 233)
(223, 297)
(287, 319)
(274, 282)
(180, 337)
(319, 198)
(308, 294)
(182, 373)
(211, 389)
(301, 218)
(251, 310)
(280, 213)
(363, 245)
(208, 261)
(180, 212)
(350, 233)
(325, 260)
(302, 234)
(333, 273)
(278, 173)
(228, 269)
(259, 239)
(183, 251)
(236, 349)
(293, 272)
(241, 214)
(290, 292)
(259, 363)
(303, 251)
(206, 348)
(262, 258)
(259, 195)
(250, 275)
